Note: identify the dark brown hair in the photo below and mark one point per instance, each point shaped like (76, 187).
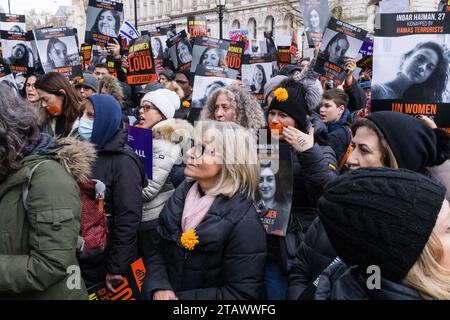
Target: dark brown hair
(338, 96)
(387, 156)
(52, 83)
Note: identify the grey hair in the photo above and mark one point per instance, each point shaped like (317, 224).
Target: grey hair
(19, 131)
(313, 89)
(249, 113)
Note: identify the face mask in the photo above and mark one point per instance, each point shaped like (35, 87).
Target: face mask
(53, 110)
(276, 127)
(85, 129)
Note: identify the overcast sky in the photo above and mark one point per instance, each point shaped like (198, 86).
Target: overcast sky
(22, 6)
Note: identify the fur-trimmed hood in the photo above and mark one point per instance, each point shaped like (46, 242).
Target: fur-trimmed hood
(249, 113)
(175, 131)
(112, 86)
(77, 157)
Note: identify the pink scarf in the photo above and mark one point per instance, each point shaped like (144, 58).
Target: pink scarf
(195, 208)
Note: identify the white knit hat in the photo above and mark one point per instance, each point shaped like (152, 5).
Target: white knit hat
(165, 100)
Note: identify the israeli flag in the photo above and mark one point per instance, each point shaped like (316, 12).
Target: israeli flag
(128, 32)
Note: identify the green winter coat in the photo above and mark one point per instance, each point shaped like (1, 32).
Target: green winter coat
(38, 246)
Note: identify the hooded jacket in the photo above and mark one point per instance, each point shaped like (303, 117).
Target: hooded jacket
(169, 139)
(121, 170)
(227, 264)
(38, 245)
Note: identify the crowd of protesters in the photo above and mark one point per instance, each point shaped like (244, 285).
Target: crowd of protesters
(368, 188)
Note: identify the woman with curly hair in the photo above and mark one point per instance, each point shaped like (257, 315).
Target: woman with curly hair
(234, 104)
(423, 76)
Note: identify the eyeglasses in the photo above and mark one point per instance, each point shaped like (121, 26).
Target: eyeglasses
(199, 151)
(148, 107)
(181, 81)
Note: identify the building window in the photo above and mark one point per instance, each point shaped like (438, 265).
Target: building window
(236, 24)
(252, 28)
(269, 23)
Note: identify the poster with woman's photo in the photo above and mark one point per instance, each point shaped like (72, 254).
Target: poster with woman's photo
(209, 52)
(99, 55)
(241, 35)
(315, 16)
(267, 46)
(274, 198)
(159, 45)
(411, 65)
(255, 73)
(12, 22)
(58, 51)
(7, 78)
(340, 42)
(170, 30)
(197, 27)
(207, 80)
(103, 21)
(180, 50)
(141, 68)
(17, 51)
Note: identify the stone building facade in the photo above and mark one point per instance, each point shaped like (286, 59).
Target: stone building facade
(280, 16)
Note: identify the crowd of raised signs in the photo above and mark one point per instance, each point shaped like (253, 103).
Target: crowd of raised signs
(170, 165)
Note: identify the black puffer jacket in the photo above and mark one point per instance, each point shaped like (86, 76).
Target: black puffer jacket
(312, 170)
(227, 264)
(314, 255)
(338, 282)
(120, 169)
(356, 96)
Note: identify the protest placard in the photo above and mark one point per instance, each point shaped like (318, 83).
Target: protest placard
(103, 21)
(58, 51)
(410, 65)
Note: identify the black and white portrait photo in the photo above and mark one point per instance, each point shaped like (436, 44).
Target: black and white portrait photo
(275, 194)
(210, 88)
(18, 53)
(159, 46)
(181, 51)
(12, 22)
(337, 47)
(315, 15)
(58, 52)
(103, 21)
(413, 68)
(204, 85)
(256, 75)
(209, 52)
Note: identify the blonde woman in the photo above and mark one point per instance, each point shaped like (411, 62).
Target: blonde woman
(390, 228)
(211, 244)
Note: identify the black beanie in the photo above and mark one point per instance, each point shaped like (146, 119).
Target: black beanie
(295, 105)
(415, 145)
(380, 216)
